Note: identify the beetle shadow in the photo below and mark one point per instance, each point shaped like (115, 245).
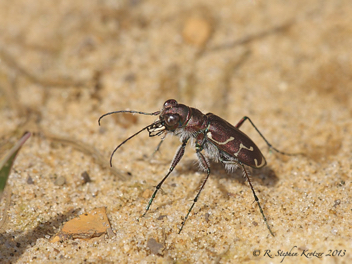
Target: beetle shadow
(19, 241)
(264, 176)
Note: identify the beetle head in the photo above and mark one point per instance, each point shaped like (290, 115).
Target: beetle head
(174, 115)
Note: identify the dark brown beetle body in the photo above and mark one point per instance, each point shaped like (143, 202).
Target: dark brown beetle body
(230, 143)
(221, 141)
(234, 142)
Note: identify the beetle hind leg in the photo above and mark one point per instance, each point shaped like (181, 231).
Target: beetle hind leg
(246, 175)
(239, 124)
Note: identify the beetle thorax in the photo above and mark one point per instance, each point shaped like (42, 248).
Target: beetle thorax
(197, 122)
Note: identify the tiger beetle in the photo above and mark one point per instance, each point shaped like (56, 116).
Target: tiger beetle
(221, 142)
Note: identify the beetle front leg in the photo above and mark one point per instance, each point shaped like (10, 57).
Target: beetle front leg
(159, 145)
(205, 166)
(177, 158)
(250, 185)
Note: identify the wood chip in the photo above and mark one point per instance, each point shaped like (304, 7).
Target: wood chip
(86, 226)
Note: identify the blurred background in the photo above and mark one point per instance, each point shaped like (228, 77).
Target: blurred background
(286, 64)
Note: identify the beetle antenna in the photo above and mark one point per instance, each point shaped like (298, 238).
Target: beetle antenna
(128, 111)
(123, 142)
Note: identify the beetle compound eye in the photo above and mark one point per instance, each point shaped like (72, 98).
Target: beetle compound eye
(172, 120)
(170, 103)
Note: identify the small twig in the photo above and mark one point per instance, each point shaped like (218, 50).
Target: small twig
(57, 83)
(87, 149)
(252, 37)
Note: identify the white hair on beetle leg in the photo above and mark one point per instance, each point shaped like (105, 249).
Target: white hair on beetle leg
(231, 167)
(248, 173)
(211, 152)
(182, 134)
(201, 165)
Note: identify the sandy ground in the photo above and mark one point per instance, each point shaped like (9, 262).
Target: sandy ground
(286, 64)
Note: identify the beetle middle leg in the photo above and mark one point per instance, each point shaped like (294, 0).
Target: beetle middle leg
(205, 166)
(177, 158)
(229, 162)
(239, 124)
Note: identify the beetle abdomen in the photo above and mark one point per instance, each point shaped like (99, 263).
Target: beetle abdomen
(234, 142)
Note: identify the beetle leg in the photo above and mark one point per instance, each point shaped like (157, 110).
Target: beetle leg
(256, 198)
(204, 165)
(239, 124)
(177, 158)
(250, 185)
(157, 149)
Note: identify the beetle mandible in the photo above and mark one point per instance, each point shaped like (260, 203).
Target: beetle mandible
(221, 142)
